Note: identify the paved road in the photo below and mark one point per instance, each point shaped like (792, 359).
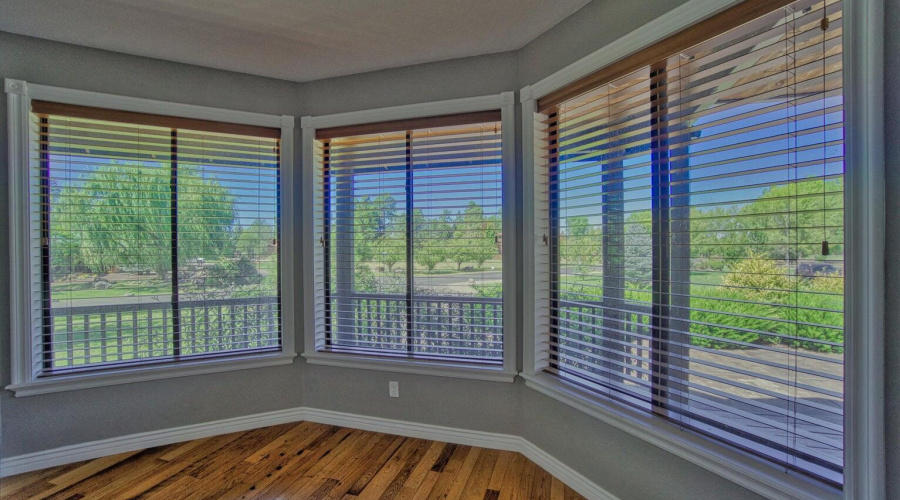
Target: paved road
(457, 282)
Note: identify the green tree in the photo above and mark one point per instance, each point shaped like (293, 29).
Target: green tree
(474, 236)
(583, 244)
(432, 238)
(256, 239)
(373, 220)
(392, 250)
(120, 215)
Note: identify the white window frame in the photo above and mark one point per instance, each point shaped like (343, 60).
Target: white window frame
(19, 95)
(864, 447)
(505, 372)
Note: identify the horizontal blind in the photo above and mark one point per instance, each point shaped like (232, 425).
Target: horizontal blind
(696, 237)
(156, 243)
(411, 233)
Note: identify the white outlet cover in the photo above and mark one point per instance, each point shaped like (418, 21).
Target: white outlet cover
(394, 389)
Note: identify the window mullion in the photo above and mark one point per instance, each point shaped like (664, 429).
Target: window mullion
(409, 244)
(173, 188)
(553, 239)
(326, 237)
(660, 236)
(46, 302)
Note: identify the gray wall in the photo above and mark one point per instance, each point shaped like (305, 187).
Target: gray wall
(892, 246)
(611, 458)
(595, 25)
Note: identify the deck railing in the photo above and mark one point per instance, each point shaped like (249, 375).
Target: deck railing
(424, 326)
(97, 334)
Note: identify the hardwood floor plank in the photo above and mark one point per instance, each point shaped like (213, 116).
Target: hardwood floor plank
(310, 482)
(406, 469)
(32, 483)
(510, 488)
(283, 475)
(363, 481)
(424, 489)
(298, 461)
(496, 480)
(295, 434)
(540, 488)
(462, 477)
(386, 474)
(557, 489)
(571, 494)
(363, 464)
(526, 480)
(419, 473)
(448, 471)
(481, 474)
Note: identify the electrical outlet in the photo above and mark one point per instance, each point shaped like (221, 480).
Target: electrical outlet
(394, 389)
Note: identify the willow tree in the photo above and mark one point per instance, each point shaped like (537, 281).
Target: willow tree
(120, 215)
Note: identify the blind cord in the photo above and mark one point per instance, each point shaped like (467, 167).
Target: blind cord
(824, 26)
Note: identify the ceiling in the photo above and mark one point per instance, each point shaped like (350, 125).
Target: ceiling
(297, 40)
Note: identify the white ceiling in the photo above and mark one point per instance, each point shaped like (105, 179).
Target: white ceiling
(298, 40)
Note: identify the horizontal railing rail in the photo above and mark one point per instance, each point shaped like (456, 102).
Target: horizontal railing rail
(157, 306)
(94, 335)
(443, 326)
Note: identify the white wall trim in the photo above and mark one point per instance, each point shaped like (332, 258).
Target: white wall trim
(864, 220)
(416, 366)
(105, 447)
(314, 321)
(18, 107)
(130, 375)
(24, 381)
(418, 110)
(677, 19)
(152, 106)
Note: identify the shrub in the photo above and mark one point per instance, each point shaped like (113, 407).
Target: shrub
(489, 290)
(760, 279)
(239, 272)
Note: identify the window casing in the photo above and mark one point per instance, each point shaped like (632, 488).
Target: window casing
(671, 189)
(415, 199)
(151, 243)
(411, 215)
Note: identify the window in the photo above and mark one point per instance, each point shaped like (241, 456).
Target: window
(151, 240)
(410, 240)
(693, 237)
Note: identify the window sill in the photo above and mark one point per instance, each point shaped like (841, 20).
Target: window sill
(419, 367)
(745, 469)
(129, 375)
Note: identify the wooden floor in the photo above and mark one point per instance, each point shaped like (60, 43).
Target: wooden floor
(296, 461)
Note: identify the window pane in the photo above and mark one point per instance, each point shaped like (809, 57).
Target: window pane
(413, 225)
(111, 199)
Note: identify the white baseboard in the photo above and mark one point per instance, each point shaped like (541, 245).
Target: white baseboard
(95, 449)
(105, 447)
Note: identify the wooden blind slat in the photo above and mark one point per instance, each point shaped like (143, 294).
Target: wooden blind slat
(149, 119)
(409, 124)
(704, 30)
